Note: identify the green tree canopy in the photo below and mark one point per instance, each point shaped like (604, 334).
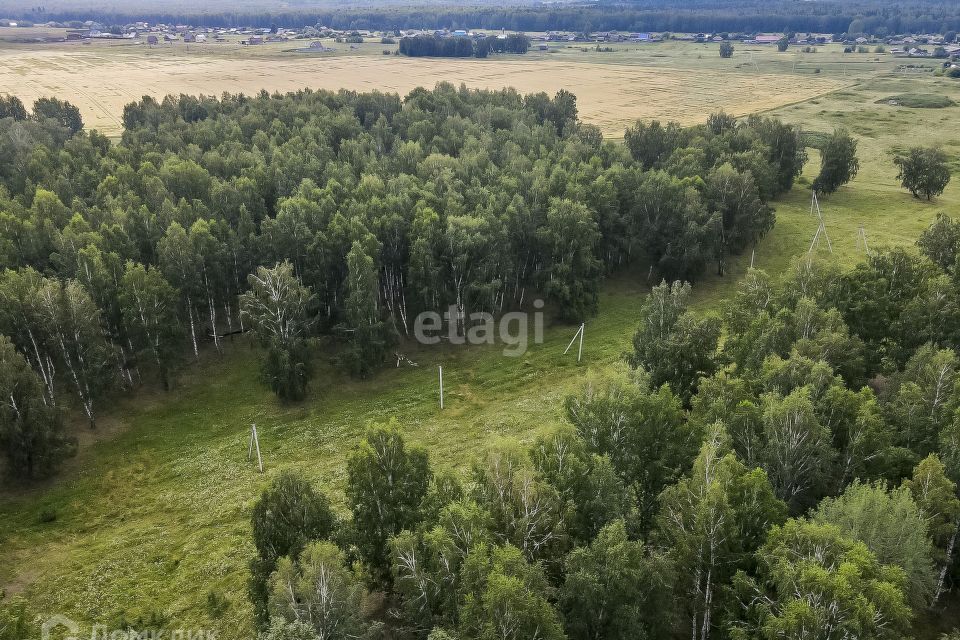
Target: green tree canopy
(923, 171)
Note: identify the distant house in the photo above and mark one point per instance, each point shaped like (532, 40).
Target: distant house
(151, 39)
(766, 38)
(189, 37)
(255, 40)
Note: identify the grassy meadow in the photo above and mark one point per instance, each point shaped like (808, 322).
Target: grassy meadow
(151, 517)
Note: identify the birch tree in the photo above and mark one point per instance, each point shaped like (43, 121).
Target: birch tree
(615, 590)
(367, 333)
(149, 306)
(861, 436)
(466, 249)
(936, 496)
(286, 517)
(814, 582)
(796, 453)
(742, 217)
(892, 526)
(644, 435)
(587, 483)
(673, 344)
(505, 597)
(179, 265)
(427, 565)
(209, 257)
(922, 405)
(71, 323)
(427, 281)
(276, 307)
(31, 430)
(318, 590)
(524, 511)
(572, 272)
(386, 483)
(711, 521)
(22, 321)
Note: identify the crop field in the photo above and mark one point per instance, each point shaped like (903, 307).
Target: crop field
(152, 516)
(669, 81)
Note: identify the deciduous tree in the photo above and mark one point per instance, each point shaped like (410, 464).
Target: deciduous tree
(838, 162)
(810, 576)
(923, 171)
(31, 429)
(386, 483)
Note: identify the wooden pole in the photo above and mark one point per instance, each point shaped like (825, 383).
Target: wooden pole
(813, 243)
(256, 442)
(441, 387)
(580, 351)
(822, 229)
(572, 340)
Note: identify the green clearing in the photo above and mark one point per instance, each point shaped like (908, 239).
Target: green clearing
(918, 101)
(152, 515)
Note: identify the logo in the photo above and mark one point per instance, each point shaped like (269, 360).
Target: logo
(57, 621)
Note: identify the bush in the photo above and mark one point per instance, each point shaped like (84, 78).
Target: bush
(287, 370)
(217, 604)
(47, 515)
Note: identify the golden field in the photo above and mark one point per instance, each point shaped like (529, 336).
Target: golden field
(613, 89)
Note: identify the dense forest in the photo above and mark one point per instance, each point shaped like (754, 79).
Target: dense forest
(796, 481)
(462, 47)
(875, 17)
(335, 214)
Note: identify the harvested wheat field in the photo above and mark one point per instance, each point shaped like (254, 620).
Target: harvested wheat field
(101, 80)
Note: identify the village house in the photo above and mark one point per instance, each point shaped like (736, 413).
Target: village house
(765, 38)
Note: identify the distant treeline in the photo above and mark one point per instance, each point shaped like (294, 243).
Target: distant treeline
(435, 46)
(879, 17)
